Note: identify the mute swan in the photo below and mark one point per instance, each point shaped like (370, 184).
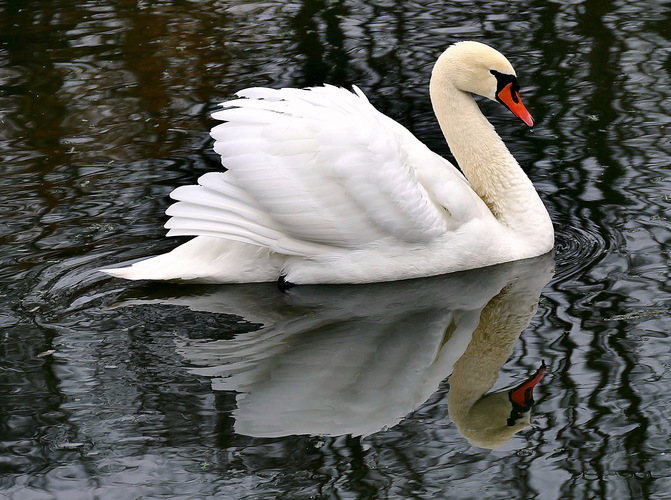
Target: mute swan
(323, 188)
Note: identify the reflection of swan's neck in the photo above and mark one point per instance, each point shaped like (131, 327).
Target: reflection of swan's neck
(501, 323)
(493, 340)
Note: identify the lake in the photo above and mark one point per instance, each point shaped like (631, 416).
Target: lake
(113, 389)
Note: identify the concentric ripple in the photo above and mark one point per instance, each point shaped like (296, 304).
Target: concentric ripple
(577, 248)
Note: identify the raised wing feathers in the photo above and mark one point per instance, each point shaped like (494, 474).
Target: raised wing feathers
(308, 169)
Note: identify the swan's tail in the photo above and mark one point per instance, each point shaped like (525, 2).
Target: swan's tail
(207, 260)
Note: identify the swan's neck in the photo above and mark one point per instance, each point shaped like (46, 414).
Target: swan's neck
(492, 171)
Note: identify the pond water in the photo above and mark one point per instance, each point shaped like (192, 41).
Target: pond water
(111, 389)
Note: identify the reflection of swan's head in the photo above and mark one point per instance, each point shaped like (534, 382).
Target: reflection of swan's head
(488, 423)
(496, 417)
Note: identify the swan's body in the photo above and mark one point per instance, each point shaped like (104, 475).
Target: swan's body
(323, 188)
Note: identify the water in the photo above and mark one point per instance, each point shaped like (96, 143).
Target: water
(118, 390)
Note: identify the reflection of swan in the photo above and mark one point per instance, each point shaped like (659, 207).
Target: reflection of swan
(354, 359)
(323, 188)
(489, 421)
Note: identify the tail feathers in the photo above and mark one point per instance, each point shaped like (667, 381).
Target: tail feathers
(207, 260)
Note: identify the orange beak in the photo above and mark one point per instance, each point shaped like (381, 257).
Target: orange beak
(511, 99)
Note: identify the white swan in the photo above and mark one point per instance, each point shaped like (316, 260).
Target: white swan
(323, 188)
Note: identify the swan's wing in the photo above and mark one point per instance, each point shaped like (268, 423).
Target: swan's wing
(314, 168)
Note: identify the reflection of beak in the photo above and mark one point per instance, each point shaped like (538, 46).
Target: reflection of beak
(522, 397)
(511, 99)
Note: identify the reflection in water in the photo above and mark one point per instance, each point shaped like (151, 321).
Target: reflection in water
(105, 109)
(335, 360)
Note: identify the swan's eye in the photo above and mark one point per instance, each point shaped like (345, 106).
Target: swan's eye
(504, 80)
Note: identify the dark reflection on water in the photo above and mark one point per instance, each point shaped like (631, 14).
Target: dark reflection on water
(104, 109)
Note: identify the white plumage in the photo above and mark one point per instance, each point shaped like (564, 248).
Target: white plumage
(322, 187)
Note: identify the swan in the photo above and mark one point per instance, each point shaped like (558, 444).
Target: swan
(321, 187)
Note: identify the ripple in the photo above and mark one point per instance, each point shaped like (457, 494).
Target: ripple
(577, 249)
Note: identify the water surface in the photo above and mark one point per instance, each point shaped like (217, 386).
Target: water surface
(118, 390)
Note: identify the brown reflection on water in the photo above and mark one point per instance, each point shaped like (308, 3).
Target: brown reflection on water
(104, 109)
(112, 84)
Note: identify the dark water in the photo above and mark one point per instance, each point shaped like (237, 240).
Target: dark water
(118, 390)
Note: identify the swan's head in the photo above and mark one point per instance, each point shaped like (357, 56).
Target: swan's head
(479, 69)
